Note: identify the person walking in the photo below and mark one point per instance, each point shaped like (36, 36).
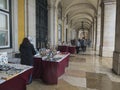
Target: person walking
(77, 46)
(82, 44)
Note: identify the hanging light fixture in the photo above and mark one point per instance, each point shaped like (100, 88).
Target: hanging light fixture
(82, 27)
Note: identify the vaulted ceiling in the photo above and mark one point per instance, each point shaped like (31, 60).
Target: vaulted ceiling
(79, 11)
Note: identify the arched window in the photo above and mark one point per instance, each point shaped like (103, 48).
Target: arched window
(60, 32)
(41, 23)
(59, 11)
(5, 23)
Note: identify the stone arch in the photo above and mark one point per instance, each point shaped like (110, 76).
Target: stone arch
(82, 14)
(83, 5)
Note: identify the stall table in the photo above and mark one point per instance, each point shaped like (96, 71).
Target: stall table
(70, 49)
(15, 81)
(51, 70)
(37, 70)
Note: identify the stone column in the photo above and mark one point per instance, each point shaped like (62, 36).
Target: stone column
(64, 29)
(69, 34)
(108, 11)
(70, 30)
(30, 22)
(95, 33)
(92, 35)
(66, 33)
(98, 30)
(51, 23)
(76, 34)
(15, 25)
(96, 36)
(109, 28)
(55, 27)
(101, 32)
(116, 54)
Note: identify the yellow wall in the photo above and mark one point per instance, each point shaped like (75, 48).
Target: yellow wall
(21, 19)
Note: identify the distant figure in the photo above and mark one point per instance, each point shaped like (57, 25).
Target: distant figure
(63, 42)
(78, 45)
(27, 52)
(73, 42)
(83, 44)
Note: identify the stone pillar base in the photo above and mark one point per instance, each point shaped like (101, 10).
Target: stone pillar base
(116, 62)
(100, 50)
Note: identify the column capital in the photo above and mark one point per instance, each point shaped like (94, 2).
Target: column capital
(105, 2)
(51, 4)
(51, 7)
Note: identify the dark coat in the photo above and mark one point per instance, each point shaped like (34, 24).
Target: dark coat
(27, 52)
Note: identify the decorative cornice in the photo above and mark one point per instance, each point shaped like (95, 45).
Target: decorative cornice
(109, 1)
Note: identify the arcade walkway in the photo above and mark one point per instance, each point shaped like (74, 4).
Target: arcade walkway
(86, 71)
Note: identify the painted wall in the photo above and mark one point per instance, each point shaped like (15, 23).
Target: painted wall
(21, 20)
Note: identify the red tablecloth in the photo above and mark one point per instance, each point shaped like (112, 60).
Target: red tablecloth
(63, 48)
(50, 71)
(37, 71)
(49, 75)
(70, 49)
(18, 82)
(61, 65)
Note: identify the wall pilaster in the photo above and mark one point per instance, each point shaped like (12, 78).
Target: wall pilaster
(116, 62)
(98, 30)
(30, 22)
(95, 33)
(51, 22)
(102, 29)
(116, 54)
(108, 12)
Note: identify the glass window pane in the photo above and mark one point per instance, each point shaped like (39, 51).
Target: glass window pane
(3, 38)
(3, 4)
(4, 24)
(3, 21)
(59, 32)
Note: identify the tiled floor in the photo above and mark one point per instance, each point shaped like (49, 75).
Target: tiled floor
(86, 71)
